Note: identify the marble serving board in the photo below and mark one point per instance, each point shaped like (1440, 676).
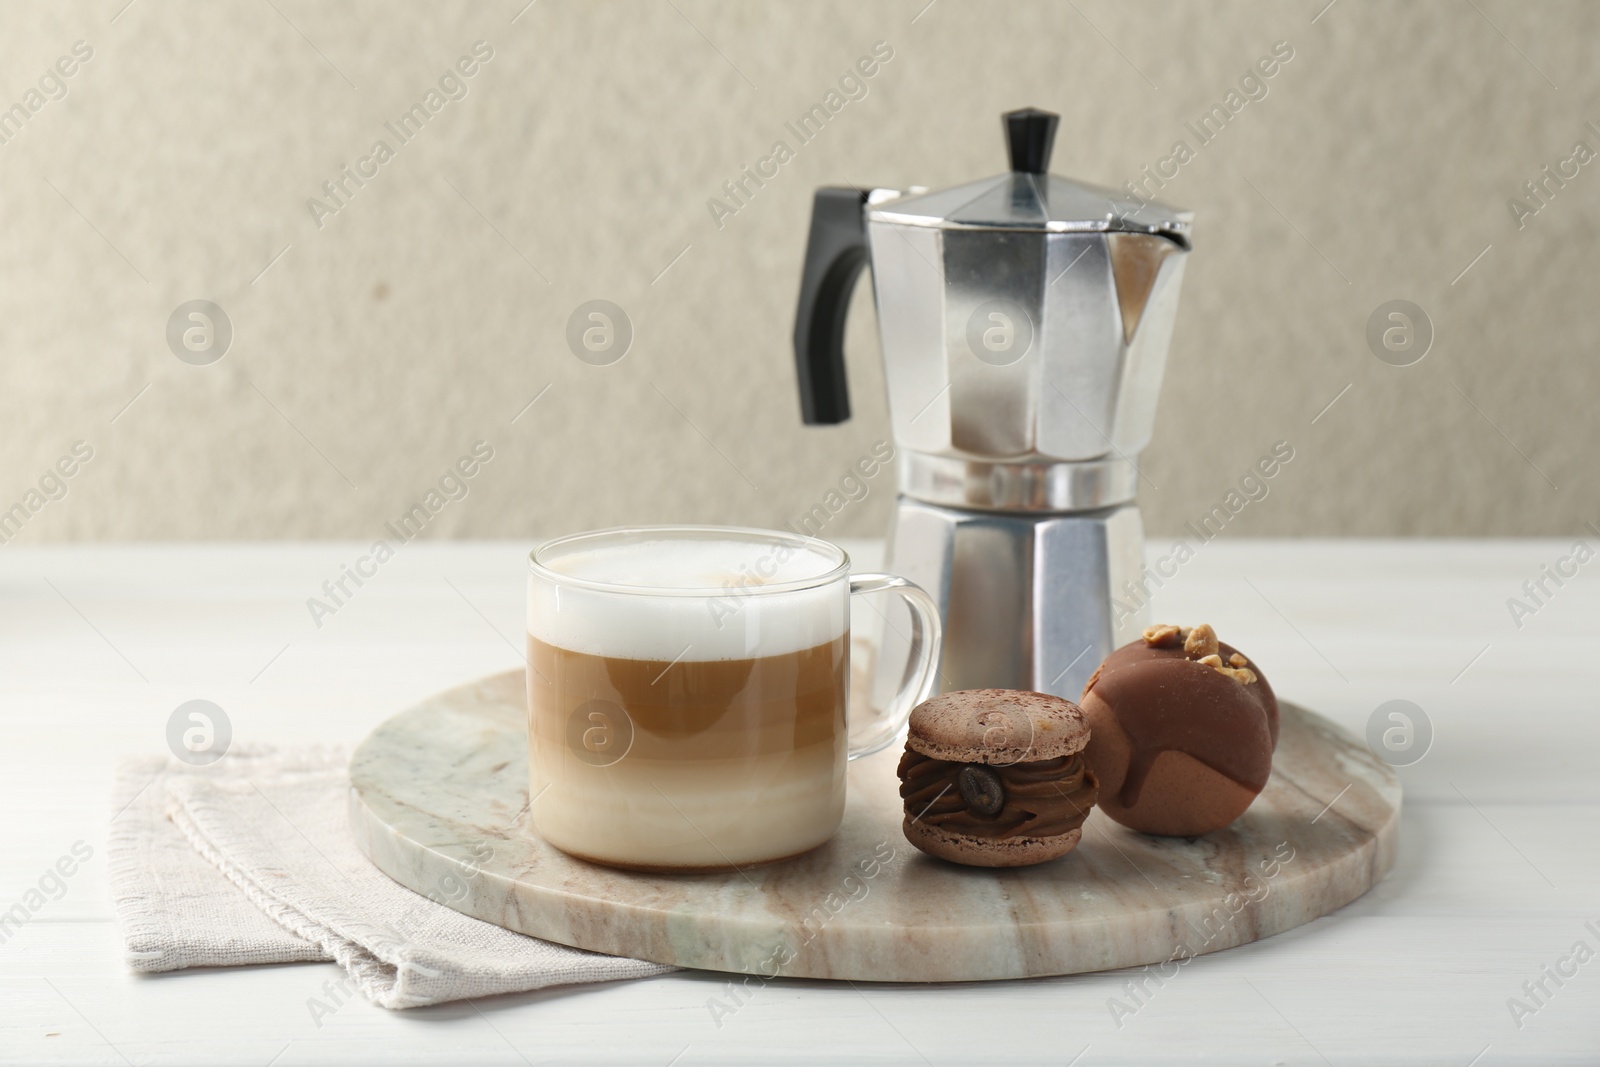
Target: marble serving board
(439, 801)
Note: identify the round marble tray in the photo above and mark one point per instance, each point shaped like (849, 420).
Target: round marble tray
(439, 802)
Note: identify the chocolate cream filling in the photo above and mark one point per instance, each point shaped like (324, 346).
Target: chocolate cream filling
(1044, 798)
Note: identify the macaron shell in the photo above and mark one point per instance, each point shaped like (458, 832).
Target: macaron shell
(997, 726)
(980, 852)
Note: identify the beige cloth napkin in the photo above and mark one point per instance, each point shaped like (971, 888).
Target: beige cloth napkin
(250, 861)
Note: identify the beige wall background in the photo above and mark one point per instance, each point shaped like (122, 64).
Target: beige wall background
(370, 352)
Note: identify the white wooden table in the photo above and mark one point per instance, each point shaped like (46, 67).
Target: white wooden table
(1498, 874)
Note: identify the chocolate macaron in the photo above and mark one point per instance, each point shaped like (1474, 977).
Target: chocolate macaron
(1184, 729)
(996, 777)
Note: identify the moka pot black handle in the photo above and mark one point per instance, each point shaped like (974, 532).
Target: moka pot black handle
(835, 253)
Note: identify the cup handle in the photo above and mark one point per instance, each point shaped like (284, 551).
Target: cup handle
(922, 662)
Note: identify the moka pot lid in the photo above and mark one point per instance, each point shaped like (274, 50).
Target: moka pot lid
(1028, 198)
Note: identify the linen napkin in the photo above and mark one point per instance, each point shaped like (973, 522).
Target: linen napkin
(250, 861)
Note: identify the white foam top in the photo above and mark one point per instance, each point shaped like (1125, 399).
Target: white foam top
(670, 563)
(714, 597)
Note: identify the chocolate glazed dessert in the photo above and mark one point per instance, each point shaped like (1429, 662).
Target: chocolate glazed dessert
(1184, 727)
(996, 777)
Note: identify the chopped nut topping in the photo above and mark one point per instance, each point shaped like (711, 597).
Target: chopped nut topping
(1161, 635)
(1201, 645)
(1202, 642)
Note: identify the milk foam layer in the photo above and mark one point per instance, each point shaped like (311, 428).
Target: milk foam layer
(678, 563)
(729, 616)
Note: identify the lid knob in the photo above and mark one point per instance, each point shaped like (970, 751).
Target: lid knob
(1030, 134)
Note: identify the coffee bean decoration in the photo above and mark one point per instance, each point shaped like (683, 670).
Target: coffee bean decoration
(981, 789)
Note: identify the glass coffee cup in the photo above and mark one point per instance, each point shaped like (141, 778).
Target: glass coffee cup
(687, 693)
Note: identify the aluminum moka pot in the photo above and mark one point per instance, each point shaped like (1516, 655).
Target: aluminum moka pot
(1024, 321)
